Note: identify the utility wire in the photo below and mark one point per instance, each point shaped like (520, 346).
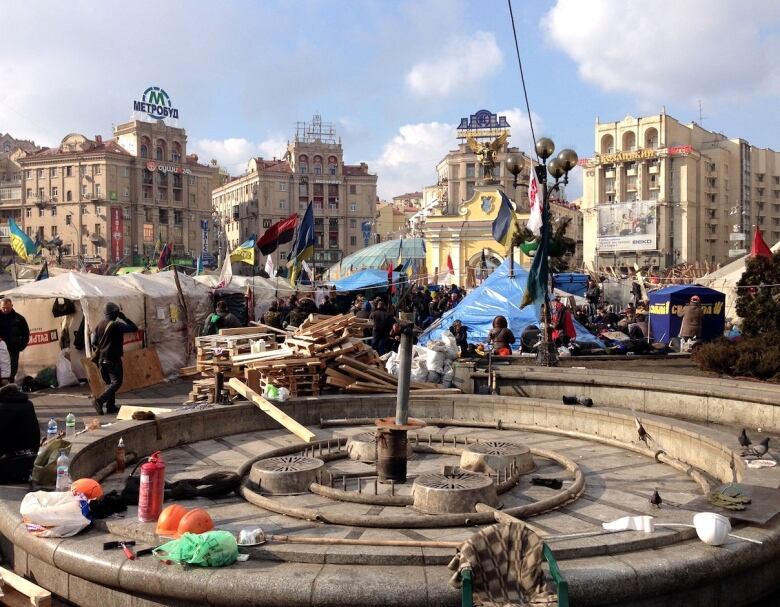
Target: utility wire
(522, 77)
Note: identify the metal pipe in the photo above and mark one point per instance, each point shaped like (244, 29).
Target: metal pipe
(404, 376)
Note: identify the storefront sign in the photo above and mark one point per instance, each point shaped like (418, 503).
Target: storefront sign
(39, 338)
(677, 150)
(483, 125)
(626, 156)
(366, 228)
(153, 165)
(204, 228)
(148, 232)
(156, 103)
(627, 226)
(117, 234)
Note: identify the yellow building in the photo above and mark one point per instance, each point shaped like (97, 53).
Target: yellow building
(465, 236)
(390, 223)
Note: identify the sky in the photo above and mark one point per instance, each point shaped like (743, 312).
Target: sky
(393, 76)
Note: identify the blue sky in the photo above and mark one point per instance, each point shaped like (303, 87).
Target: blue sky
(394, 77)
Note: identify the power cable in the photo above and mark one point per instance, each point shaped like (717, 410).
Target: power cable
(522, 77)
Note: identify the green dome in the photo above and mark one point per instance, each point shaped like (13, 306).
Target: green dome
(376, 256)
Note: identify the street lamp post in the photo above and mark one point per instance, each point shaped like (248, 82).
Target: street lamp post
(514, 164)
(558, 168)
(217, 223)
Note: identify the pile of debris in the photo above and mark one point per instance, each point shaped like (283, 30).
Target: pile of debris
(325, 354)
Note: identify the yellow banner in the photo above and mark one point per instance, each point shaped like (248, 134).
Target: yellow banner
(245, 255)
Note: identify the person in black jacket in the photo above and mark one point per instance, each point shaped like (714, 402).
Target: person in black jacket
(14, 332)
(19, 435)
(108, 341)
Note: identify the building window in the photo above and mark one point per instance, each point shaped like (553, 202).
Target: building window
(352, 240)
(54, 192)
(282, 186)
(96, 169)
(54, 210)
(353, 189)
(68, 171)
(53, 231)
(191, 180)
(318, 169)
(353, 206)
(40, 212)
(470, 169)
(303, 189)
(283, 204)
(67, 219)
(469, 189)
(302, 205)
(41, 195)
(84, 192)
(28, 229)
(82, 170)
(53, 172)
(144, 151)
(29, 193)
(40, 173)
(28, 212)
(68, 196)
(353, 223)
(28, 174)
(126, 193)
(177, 218)
(97, 190)
(126, 171)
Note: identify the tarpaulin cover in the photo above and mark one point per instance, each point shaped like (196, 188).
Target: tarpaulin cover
(376, 257)
(499, 295)
(365, 279)
(666, 311)
(571, 282)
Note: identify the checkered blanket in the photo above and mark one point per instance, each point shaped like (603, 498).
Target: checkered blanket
(506, 564)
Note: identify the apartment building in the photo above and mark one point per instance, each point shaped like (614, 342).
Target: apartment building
(11, 191)
(312, 169)
(658, 193)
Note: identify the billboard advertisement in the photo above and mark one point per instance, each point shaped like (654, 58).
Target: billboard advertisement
(117, 234)
(627, 226)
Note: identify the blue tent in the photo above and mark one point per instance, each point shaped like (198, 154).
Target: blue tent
(666, 311)
(499, 295)
(571, 282)
(365, 279)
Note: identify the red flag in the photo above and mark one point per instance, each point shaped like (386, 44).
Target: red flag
(759, 248)
(281, 232)
(450, 267)
(165, 256)
(389, 270)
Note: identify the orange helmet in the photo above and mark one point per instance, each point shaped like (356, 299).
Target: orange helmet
(195, 521)
(87, 486)
(169, 519)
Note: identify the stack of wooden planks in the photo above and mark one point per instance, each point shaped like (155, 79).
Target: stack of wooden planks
(326, 354)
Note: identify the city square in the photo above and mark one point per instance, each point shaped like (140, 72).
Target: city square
(452, 338)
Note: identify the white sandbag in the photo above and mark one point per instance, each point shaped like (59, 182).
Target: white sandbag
(448, 339)
(435, 360)
(449, 373)
(391, 364)
(419, 374)
(54, 514)
(433, 377)
(65, 375)
(437, 345)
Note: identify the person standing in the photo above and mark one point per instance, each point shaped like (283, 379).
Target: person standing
(690, 328)
(222, 318)
(14, 332)
(382, 323)
(593, 295)
(108, 345)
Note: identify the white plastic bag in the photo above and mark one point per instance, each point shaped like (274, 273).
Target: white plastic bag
(284, 394)
(65, 375)
(54, 514)
(451, 351)
(435, 361)
(391, 365)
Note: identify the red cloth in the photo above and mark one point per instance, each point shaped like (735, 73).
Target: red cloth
(503, 352)
(759, 248)
(281, 232)
(450, 267)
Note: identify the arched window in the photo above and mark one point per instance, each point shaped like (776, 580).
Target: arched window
(651, 138)
(159, 152)
(318, 165)
(144, 151)
(68, 196)
(332, 165)
(607, 144)
(303, 164)
(629, 141)
(176, 152)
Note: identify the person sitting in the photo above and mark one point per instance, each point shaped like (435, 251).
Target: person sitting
(222, 318)
(460, 331)
(530, 339)
(501, 337)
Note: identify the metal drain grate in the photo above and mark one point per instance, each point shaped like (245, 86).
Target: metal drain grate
(453, 482)
(495, 447)
(289, 463)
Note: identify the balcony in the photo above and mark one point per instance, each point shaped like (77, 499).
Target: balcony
(653, 169)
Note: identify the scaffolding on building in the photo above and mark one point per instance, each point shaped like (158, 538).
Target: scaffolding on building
(315, 131)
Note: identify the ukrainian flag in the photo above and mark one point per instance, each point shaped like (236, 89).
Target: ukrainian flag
(21, 243)
(245, 251)
(303, 247)
(504, 225)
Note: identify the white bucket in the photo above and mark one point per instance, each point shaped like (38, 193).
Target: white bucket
(712, 528)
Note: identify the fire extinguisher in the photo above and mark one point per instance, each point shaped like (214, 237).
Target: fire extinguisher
(152, 491)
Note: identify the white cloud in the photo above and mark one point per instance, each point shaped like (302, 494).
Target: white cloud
(667, 50)
(234, 153)
(408, 161)
(463, 62)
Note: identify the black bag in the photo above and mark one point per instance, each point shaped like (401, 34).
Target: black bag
(78, 337)
(63, 309)
(15, 468)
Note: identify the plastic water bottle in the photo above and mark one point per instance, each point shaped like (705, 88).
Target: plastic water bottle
(52, 429)
(63, 472)
(70, 425)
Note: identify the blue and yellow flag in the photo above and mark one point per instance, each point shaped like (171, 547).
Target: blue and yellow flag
(303, 247)
(504, 225)
(245, 251)
(21, 243)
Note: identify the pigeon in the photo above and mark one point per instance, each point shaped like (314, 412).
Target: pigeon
(761, 449)
(640, 430)
(744, 440)
(655, 499)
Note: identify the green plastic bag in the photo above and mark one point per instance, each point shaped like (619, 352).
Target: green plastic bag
(44, 472)
(210, 549)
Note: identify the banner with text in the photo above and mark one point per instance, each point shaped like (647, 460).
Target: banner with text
(627, 226)
(117, 234)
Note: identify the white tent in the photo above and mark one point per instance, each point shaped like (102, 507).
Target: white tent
(90, 293)
(168, 330)
(725, 280)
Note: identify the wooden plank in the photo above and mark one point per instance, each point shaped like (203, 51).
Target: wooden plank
(366, 377)
(141, 369)
(271, 410)
(16, 589)
(244, 359)
(268, 328)
(244, 331)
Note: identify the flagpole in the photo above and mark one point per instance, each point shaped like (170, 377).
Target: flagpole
(16, 272)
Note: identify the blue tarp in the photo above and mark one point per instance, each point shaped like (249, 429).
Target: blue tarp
(571, 282)
(666, 311)
(499, 295)
(365, 279)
